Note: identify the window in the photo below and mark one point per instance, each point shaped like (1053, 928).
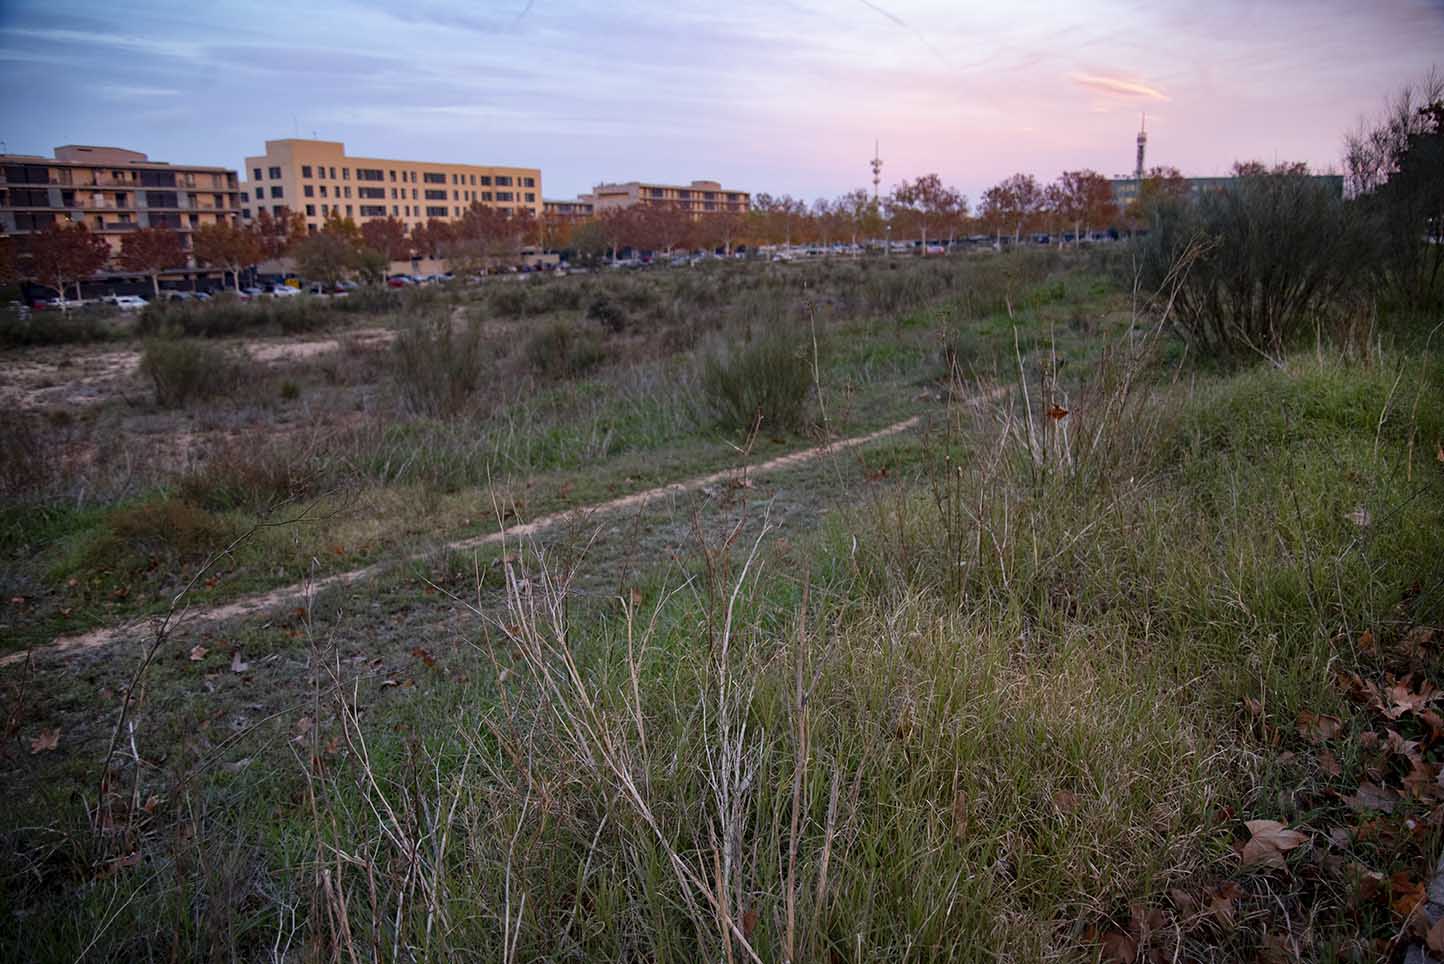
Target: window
(486, 180)
(371, 192)
(325, 210)
(408, 210)
(434, 195)
(370, 174)
(32, 174)
(323, 190)
(308, 190)
(348, 210)
(305, 170)
(393, 175)
(246, 213)
(255, 173)
(194, 219)
(279, 210)
(531, 197)
(345, 174)
(453, 179)
(30, 198)
(456, 212)
(347, 190)
(373, 210)
(473, 180)
(33, 221)
(333, 174)
(435, 212)
(310, 210)
(413, 194)
(431, 177)
(164, 199)
(504, 196)
(395, 210)
(275, 173)
(528, 182)
(455, 196)
(276, 190)
(164, 220)
(486, 195)
(503, 180)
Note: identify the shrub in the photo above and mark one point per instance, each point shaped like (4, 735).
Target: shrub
(256, 478)
(509, 300)
(1267, 261)
(172, 526)
(608, 313)
(770, 378)
(26, 465)
(437, 366)
(182, 370)
(50, 327)
(561, 351)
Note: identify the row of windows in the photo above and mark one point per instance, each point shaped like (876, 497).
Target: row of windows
(40, 220)
(370, 211)
(375, 174)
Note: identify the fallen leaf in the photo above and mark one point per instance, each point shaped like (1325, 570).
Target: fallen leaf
(1360, 517)
(198, 653)
(1435, 938)
(1371, 796)
(47, 740)
(1223, 902)
(1057, 412)
(1119, 948)
(238, 665)
(302, 727)
(1406, 893)
(749, 922)
(1367, 643)
(1318, 727)
(1268, 841)
(1065, 800)
(423, 655)
(960, 815)
(1330, 763)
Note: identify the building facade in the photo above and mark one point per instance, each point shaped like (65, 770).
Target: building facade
(580, 209)
(699, 198)
(112, 191)
(318, 179)
(1125, 189)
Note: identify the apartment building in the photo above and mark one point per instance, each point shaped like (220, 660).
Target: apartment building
(699, 197)
(112, 191)
(318, 179)
(580, 209)
(1125, 189)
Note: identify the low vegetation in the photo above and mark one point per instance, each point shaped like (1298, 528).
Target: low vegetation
(1129, 650)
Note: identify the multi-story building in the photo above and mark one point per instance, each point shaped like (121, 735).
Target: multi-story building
(318, 179)
(582, 207)
(698, 198)
(112, 192)
(1125, 189)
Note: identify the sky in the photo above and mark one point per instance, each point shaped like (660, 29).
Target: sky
(782, 96)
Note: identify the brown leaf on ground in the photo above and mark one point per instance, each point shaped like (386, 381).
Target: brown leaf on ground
(1329, 763)
(238, 665)
(1403, 699)
(1057, 412)
(1223, 904)
(1371, 796)
(1422, 782)
(302, 727)
(1406, 893)
(46, 741)
(1066, 801)
(1318, 727)
(960, 815)
(1119, 948)
(1367, 642)
(198, 653)
(1267, 843)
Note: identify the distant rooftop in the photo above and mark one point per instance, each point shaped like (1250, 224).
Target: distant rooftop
(101, 156)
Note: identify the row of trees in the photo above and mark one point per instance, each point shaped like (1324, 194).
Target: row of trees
(925, 209)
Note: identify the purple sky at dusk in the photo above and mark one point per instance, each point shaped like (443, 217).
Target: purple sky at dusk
(785, 96)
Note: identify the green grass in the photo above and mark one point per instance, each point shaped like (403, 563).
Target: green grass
(1031, 666)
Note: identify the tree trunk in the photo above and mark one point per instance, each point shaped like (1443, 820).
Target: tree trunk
(155, 286)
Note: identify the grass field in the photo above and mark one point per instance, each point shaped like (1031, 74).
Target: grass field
(1113, 655)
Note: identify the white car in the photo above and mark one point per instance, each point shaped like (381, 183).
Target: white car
(129, 302)
(282, 291)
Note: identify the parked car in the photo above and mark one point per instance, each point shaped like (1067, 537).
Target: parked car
(282, 290)
(58, 304)
(128, 302)
(399, 281)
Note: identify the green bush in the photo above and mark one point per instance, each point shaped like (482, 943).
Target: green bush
(561, 351)
(51, 327)
(608, 313)
(1259, 267)
(437, 366)
(182, 370)
(770, 379)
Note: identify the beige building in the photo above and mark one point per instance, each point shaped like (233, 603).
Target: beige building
(577, 210)
(318, 178)
(112, 192)
(699, 197)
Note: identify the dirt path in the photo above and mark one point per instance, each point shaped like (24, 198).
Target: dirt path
(263, 602)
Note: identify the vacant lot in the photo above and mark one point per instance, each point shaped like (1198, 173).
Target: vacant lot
(1093, 651)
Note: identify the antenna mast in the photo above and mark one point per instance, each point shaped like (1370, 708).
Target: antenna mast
(1142, 144)
(876, 165)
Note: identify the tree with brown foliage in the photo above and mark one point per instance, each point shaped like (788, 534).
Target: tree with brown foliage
(150, 251)
(66, 253)
(925, 206)
(278, 235)
(229, 247)
(1083, 199)
(388, 236)
(9, 266)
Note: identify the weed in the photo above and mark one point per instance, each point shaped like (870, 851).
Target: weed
(769, 380)
(183, 371)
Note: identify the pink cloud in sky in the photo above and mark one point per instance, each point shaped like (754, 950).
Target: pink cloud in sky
(1117, 85)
